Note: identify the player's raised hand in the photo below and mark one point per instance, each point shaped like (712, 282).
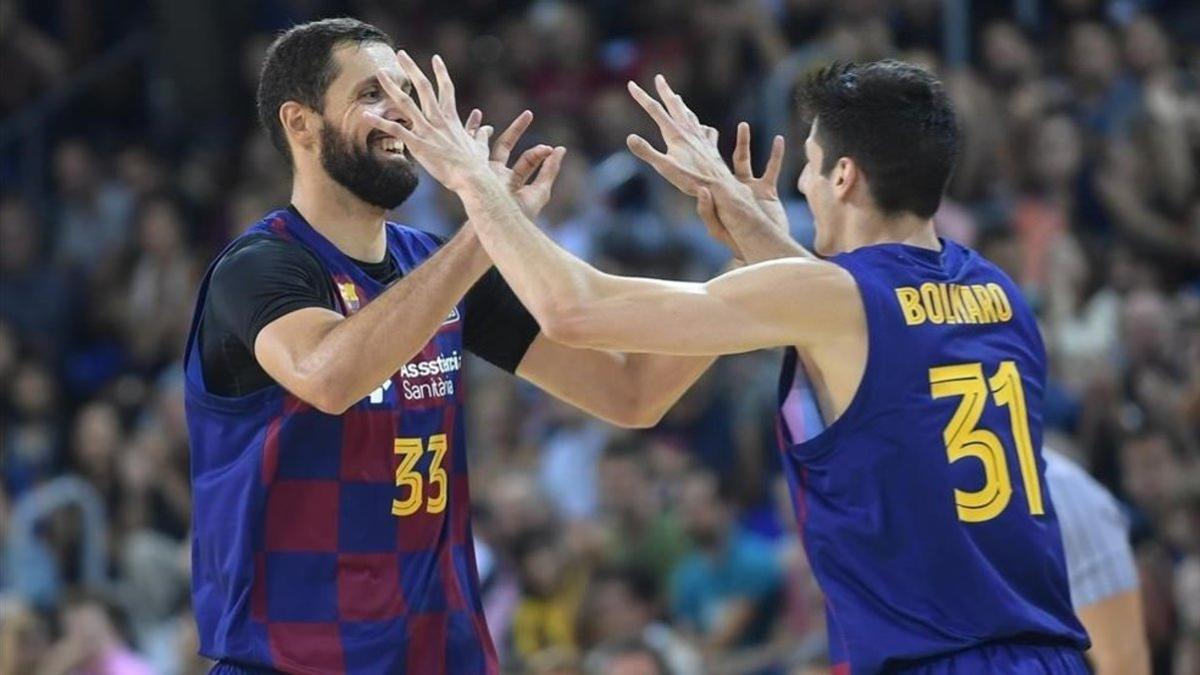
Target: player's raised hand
(693, 164)
(531, 195)
(691, 160)
(434, 135)
(764, 188)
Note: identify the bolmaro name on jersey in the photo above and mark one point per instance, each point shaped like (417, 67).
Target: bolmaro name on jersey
(420, 380)
(942, 303)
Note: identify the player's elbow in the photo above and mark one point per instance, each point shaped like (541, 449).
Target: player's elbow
(330, 404)
(638, 408)
(640, 420)
(630, 418)
(564, 321)
(324, 391)
(644, 414)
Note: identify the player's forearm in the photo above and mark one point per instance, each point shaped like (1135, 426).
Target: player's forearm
(1115, 626)
(364, 350)
(661, 380)
(761, 242)
(548, 280)
(757, 237)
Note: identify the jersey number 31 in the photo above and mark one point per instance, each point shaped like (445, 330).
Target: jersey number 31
(964, 438)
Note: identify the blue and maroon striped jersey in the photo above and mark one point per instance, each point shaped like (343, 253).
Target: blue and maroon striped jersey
(924, 507)
(338, 543)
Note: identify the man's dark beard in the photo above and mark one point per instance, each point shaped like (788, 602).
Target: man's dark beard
(385, 184)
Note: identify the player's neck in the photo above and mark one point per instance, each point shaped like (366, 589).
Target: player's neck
(912, 230)
(352, 225)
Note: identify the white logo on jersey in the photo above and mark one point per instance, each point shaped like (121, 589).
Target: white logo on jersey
(377, 395)
(431, 378)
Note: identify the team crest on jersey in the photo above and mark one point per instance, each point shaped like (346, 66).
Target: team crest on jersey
(452, 317)
(349, 293)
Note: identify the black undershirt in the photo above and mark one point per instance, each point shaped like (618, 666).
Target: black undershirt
(265, 277)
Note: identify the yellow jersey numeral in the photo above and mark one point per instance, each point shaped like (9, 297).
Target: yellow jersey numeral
(963, 438)
(410, 451)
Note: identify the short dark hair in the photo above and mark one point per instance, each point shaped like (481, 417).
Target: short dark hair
(894, 120)
(299, 66)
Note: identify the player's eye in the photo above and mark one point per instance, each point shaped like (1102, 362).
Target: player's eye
(371, 94)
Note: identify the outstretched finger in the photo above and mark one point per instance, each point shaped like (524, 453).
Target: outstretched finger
(410, 139)
(507, 140)
(408, 107)
(642, 149)
(484, 135)
(672, 101)
(741, 153)
(473, 121)
(655, 109)
(711, 135)
(526, 164)
(421, 84)
(707, 210)
(666, 166)
(550, 168)
(445, 87)
(685, 113)
(774, 162)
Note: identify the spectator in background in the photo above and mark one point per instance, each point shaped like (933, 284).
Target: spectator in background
(35, 297)
(642, 532)
(623, 604)
(33, 440)
(1104, 99)
(628, 658)
(1100, 568)
(24, 638)
(552, 588)
(726, 592)
(160, 290)
(91, 643)
(95, 214)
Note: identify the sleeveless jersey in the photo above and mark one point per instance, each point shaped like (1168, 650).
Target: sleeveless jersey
(338, 543)
(924, 508)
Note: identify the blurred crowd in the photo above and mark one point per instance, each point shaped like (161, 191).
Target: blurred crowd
(671, 550)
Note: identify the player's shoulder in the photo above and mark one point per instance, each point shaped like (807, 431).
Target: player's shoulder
(410, 234)
(262, 248)
(257, 257)
(976, 259)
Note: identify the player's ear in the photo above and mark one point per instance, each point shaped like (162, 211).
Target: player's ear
(845, 176)
(300, 124)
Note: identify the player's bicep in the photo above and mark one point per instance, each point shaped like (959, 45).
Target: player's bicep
(287, 348)
(275, 297)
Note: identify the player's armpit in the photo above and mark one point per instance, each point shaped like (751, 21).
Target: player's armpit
(288, 349)
(790, 301)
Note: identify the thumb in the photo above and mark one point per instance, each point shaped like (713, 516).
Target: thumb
(707, 210)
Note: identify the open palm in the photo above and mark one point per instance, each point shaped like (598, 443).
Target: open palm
(692, 162)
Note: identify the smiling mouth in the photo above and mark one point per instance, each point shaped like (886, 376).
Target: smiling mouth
(387, 144)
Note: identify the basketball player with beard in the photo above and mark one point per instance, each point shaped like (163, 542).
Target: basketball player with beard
(324, 392)
(910, 399)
